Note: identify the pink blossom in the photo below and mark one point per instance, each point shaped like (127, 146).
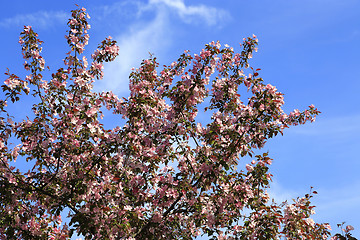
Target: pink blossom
(12, 82)
(73, 21)
(97, 66)
(249, 168)
(27, 29)
(163, 173)
(349, 228)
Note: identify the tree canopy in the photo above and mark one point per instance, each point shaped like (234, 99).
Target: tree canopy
(162, 175)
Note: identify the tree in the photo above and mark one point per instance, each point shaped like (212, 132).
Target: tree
(163, 175)
(346, 235)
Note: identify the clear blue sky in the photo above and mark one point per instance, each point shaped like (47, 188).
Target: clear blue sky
(308, 49)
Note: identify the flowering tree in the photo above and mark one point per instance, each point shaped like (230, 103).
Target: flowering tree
(163, 175)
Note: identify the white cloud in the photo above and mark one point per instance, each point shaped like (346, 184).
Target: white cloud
(136, 44)
(334, 201)
(332, 204)
(42, 19)
(338, 204)
(339, 127)
(280, 194)
(210, 15)
(146, 35)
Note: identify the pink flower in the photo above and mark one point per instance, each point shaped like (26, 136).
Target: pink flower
(98, 66)
(73, 21)
(91, 111)
(11, 82)
(27, 29)
(348, 228)
(249, 168)
(310, 221)
(156, 217)
(327, 226)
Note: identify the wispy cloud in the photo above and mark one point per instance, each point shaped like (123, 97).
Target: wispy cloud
(338, 204)
(280, 194)
(210, 15)
(333, 204)
(337, 127)
(146, 35)
(136, 44)
(42, 19)
(334, 200)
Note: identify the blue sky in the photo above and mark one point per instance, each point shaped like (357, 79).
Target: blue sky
(308, 49)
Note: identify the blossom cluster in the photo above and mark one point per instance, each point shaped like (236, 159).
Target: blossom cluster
(162, 175)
